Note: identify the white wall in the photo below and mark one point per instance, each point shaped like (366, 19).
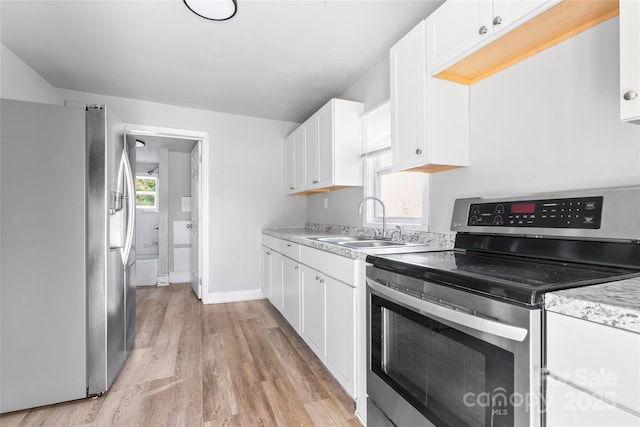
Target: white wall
(550, 122)
(21, 82)
(246, 182)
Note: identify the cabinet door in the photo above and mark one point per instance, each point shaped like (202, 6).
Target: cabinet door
(276, 280)
(290, 164)
(596, 357)
(311, 153)
(630, 61)
(509, 13)
(312, 325)
(340, 332)
(291, 292)
(408, 110)
(300, 139)
(326, 145)
(457, 27)
(266, 271)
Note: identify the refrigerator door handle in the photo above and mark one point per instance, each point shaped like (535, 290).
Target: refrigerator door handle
(131, 207)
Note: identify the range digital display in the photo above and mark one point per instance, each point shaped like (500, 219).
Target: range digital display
(523, 208)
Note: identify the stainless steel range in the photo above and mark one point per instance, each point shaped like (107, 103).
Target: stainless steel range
(455, 338)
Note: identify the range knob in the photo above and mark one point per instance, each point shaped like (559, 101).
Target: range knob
(497, 220)
(499, 209)
(474, 220)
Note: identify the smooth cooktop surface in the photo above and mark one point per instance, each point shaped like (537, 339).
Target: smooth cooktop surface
(520, 279)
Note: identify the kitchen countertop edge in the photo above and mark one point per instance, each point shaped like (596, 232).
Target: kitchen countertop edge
(615, 304)
(302, 236)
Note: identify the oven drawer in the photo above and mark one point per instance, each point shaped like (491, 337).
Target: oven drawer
(598, 358)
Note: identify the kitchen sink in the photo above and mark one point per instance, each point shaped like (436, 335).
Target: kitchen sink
(371, 244)
(358, 242)
(341, 239)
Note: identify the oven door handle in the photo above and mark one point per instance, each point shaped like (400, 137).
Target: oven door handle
(477, 323)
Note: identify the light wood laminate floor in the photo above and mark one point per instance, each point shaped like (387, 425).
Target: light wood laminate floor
(236, 364)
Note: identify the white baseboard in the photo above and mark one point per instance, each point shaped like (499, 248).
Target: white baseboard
(235, 296)
(179, 276)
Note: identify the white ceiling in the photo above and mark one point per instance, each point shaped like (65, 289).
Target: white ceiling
(275, 59)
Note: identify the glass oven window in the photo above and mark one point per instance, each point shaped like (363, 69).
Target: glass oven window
(452, 378)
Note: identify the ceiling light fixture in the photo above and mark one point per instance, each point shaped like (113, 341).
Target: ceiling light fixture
(215, 10)
(140, 144)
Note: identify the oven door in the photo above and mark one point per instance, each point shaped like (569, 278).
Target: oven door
(449, 358)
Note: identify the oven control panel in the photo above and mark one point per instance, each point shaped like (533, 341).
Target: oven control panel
(579, 212)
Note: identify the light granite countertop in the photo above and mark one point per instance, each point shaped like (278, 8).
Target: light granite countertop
(615, 304)
(425, 242)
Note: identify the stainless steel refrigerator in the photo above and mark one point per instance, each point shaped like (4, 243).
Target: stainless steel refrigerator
(67, 259)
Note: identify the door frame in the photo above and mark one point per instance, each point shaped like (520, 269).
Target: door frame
(203, 137)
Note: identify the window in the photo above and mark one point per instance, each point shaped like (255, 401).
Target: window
(147, 192)
(405, 194)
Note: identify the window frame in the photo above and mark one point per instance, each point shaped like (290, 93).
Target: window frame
(376, 146)
(373, 215)
(154, 193)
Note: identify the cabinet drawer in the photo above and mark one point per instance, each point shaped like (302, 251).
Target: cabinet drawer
(599, 358)
(333, 265)
(290, 249)
(568, 406)
(270, 242)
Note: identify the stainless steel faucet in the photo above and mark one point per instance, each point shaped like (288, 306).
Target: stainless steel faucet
(384, 215)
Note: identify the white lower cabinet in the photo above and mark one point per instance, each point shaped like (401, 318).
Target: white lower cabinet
(291, 292)
(266, 271)
(316, 293)
(276, 280)
(593, 374)
(313, 309)
(341, 332)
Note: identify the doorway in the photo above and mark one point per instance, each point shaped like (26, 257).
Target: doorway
(172, 199)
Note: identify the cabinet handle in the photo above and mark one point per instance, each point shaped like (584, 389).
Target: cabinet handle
(418, 151)
(295, 267)
(315, 181)
(321, 280)
(483, 30)
(317, 277)
(288, 245)
(292, 188)
(268, 253)
(496, 21)
(630, 95)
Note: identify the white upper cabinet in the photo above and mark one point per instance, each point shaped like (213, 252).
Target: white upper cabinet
(509, 13)
(630, 61)
(455, 28)
(311, 163)
(290, 164)
(470, 40)
(294, 148)
(330, 157)
(429, 117)
(460, 27)
(349, 139)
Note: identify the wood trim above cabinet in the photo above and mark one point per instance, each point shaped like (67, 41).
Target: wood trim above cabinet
(556, 24)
